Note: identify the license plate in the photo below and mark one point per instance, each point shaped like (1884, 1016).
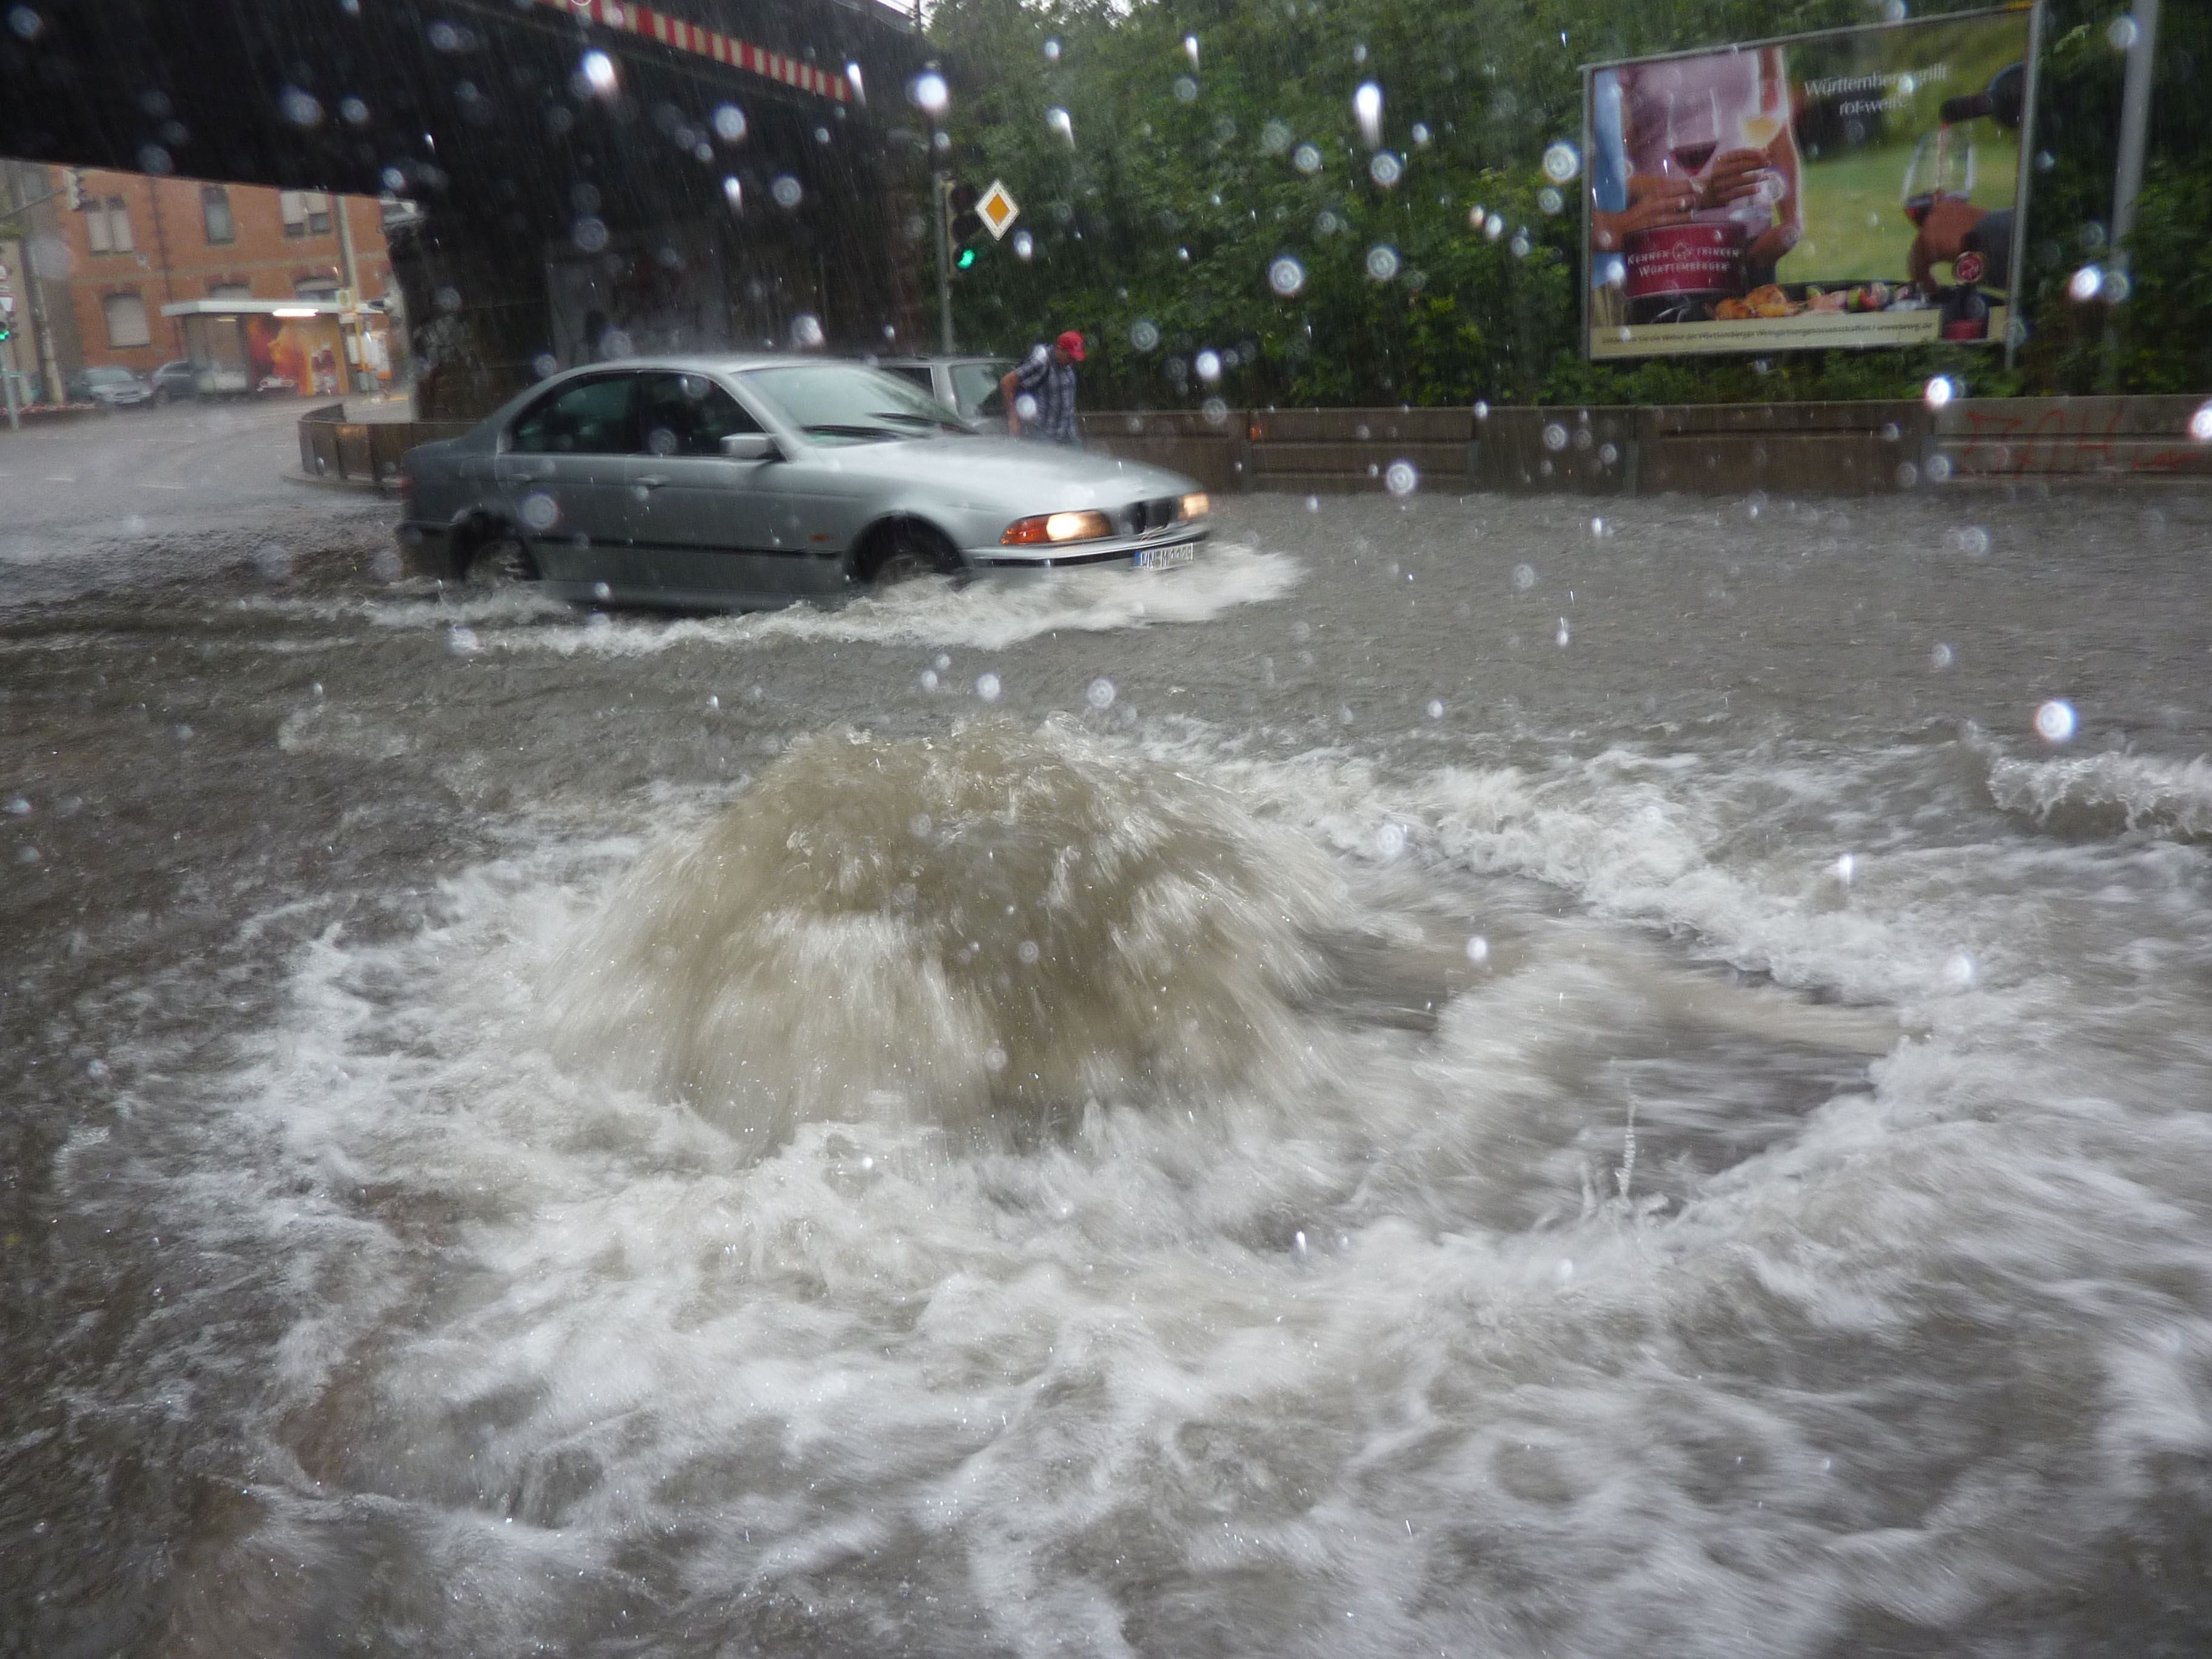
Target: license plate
(1161, 558)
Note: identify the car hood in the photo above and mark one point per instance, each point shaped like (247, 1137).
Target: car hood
(1019, 476)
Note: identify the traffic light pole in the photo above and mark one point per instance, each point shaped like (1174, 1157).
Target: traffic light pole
(941, 191)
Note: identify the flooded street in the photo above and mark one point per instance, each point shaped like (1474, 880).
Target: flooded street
(1478, 1076)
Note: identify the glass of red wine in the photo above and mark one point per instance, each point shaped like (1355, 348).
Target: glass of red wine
(1693, 131)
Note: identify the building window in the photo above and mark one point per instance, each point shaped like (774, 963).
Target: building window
(230, 290)
(315, 287)
(126, 320)
(107, 225)
(307, 212)
(215, 208)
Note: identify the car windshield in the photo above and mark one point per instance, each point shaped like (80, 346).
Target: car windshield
(109, 376)
(976, 387)
(846, 403)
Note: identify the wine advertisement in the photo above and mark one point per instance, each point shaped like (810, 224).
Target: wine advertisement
(1856, 187)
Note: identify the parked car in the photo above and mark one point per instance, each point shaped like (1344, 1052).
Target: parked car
(109, 387)
(737, 481)
(173, 380)
(968, 385)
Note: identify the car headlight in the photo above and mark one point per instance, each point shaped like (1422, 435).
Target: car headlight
(1194, 506)
(1057, 528)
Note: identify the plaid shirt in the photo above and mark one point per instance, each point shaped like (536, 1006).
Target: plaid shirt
(1052, 384)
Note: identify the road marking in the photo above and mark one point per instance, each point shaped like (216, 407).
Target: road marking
(148, 483)
(61, 478)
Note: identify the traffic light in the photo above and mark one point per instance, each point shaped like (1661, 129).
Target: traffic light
(966, 224)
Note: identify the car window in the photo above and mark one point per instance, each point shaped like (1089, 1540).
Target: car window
(845, 402)
(107, 376)
(688, 415)
(590, 417)
(914, 371)
(976, 388)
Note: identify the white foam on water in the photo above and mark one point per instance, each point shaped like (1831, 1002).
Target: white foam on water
(986, 614)
(1480, 1339)
(2155, 793)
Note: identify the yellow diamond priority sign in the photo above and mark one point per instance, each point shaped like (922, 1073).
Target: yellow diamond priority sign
(998, 209)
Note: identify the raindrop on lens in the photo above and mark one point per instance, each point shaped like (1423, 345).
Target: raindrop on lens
(1288, 278)
(1059, 121)
(1100, 693)
(1274, 137)
(1306, 159)
(1186, 89)
(1385, 169)
(301, 109)
(987, 686)
(1844, 867)
(1959, 972)
(1940, 656)
(1145, 334)
(353, 111)
(2200, 423)
(600, 591)
(1401, 479)
(1940, 392)
(25, 23)
(589, 234)
(1390, 840)
(2087, 283)
(1520, 246)
(1052, 51)
(1436, 708)
(540, 511)
(806, 332)
(1563, 634)
(2122, 33)
(1478, 949)
(930, 93)
(733, 192)
(462, 641)
(786, 190)
(994, 1057)
(1024, 245)
(1208, 365)
(1524, 576)
(729, 123)
(1215, 409)
(1550, 200)
(1562, 161)
(1555, 437)
(2054, 721)
(1367, 108)
(598, 72)
(1381, 262)
(1190, 49)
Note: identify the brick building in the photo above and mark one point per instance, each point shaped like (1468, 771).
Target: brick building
(137, 243)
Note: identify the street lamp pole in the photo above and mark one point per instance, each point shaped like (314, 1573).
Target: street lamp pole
(933, 97)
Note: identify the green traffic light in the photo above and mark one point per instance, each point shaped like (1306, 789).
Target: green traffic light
(967, 257)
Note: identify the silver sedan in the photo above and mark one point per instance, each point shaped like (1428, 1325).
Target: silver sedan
(728, 481)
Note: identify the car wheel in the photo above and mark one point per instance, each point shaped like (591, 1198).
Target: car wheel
(500, 560)
(911, 551)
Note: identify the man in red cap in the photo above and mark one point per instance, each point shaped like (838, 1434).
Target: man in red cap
(1039, 393)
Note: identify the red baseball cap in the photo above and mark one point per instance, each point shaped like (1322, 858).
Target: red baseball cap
(1072, 344)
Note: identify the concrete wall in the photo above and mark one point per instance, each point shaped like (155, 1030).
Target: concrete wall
(1826, 448)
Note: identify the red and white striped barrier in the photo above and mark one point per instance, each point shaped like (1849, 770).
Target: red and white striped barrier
(680, 36)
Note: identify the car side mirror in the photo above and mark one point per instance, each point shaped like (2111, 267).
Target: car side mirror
(750, 446)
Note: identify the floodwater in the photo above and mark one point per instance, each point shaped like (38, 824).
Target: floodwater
(1463, 1077)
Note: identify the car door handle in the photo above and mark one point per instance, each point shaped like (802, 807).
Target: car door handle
(651, 481)
(530, 477)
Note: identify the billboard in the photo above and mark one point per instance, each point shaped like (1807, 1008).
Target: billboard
(1856, 187)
